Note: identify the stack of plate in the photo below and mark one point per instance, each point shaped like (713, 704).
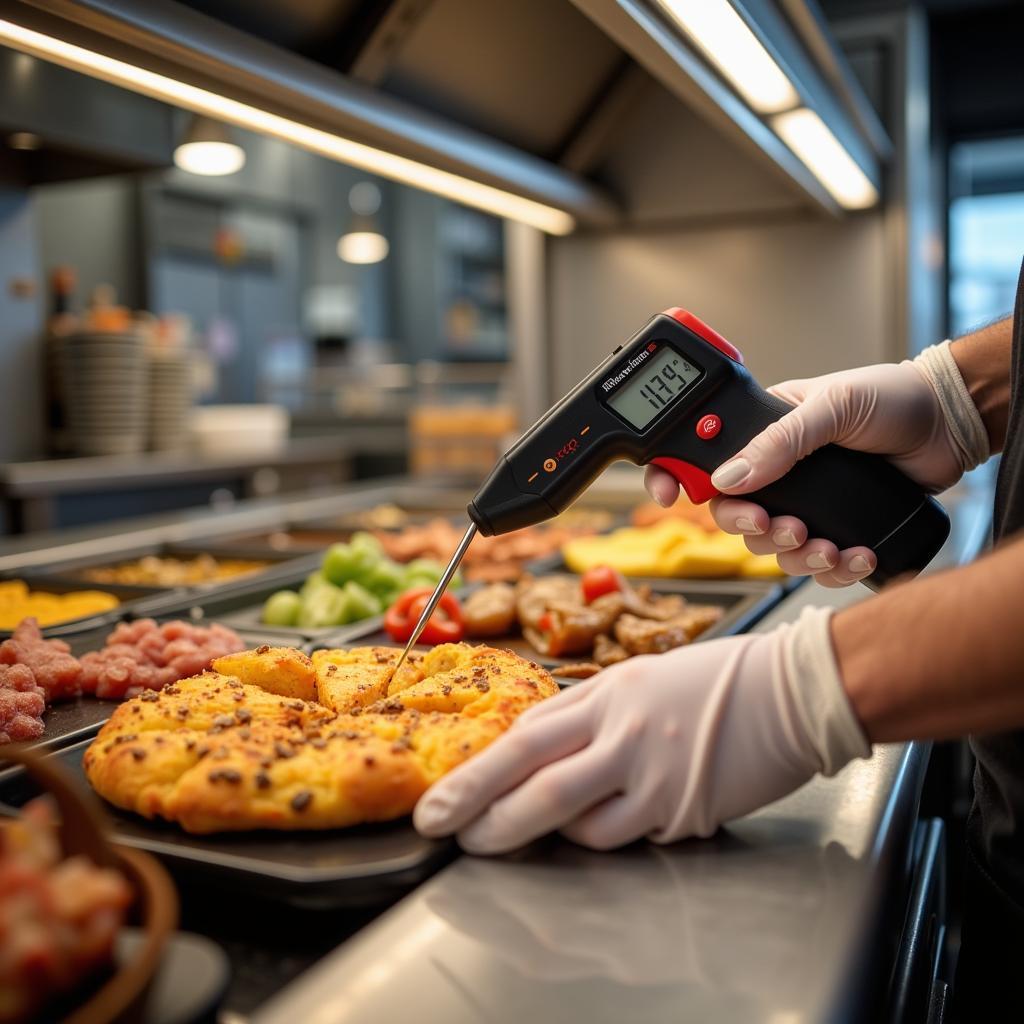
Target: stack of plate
(170, 399)
(103, 381)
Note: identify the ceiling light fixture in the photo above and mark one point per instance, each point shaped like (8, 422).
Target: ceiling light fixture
(336, 147)
(810, 138)
(363, 242)
(209, 148)
(26, 141)
(363, 247)
(732, 47)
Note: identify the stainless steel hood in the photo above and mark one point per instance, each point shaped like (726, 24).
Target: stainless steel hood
(535, 97)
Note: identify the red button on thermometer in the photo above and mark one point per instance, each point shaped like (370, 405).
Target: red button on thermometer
(708, 427)
(678, 395)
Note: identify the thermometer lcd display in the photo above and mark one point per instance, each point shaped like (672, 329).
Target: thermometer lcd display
(652, 387)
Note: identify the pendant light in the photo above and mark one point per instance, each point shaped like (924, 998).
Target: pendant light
(209, 148)
(363, 242)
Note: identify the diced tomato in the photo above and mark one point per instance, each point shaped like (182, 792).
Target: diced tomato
(600, 580)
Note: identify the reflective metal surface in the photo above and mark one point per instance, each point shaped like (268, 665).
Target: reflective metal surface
(766, 922)
(789, 916)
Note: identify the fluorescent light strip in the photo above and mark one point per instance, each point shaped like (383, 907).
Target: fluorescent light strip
(336, 147)
(810, 138)
(730, 45)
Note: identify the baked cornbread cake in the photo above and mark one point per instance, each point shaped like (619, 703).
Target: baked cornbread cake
(215, 753)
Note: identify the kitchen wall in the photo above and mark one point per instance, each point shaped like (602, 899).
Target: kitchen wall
(20, 325)
(796, 296)
(798, 291)
(95, 225)
(285, 178)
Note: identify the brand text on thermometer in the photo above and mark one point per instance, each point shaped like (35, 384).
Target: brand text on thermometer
(612, 382)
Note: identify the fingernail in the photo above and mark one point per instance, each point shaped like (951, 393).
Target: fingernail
(430, 815)
(747, 525)
(859, 564)
(819, 561)
(784, 539)
(731, 473)
(657, 499)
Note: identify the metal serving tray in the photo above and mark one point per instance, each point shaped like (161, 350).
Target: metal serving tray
(280, 562)
(240, 606)
(304, 535)
(340, 868)
(744, 603)
(301, 534)
(69, 721)
(134, 600)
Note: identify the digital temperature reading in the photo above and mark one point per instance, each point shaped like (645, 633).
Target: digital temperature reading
(652, 387)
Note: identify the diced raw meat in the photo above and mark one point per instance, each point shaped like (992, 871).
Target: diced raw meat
(21, 704)
(54, 669)
(144, 656)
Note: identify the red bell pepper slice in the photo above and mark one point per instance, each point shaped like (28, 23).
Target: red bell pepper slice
(445, 626)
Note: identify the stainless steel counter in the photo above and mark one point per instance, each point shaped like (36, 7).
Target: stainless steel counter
(774, 920)
(205, 523)
(31, 491)
(789, 916)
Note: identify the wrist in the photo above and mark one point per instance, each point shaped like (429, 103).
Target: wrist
(983, 359)
(964, 426)
(808, 680)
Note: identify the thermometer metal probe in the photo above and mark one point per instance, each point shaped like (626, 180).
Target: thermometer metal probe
(678, 395)
(442, 586)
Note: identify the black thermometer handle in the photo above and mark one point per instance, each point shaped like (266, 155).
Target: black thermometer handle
(677, 395)
(851, 498)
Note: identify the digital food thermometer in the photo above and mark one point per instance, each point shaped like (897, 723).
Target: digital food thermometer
(677, 395)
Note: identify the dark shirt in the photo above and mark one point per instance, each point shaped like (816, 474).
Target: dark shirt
(995, 827)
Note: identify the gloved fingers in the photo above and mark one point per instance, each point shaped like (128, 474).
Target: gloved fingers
(619, 820)
(555, 705)
(661, 485)
(774, 452)
(854, 564)
(461, 795)
(784, 533)
(810, 559)
(547, 799)
(792, 391)
(739, 517)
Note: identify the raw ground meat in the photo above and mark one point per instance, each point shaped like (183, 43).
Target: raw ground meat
(21, 704)
(50, 661)
(141, 656)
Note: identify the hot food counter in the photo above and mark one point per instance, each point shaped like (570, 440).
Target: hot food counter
(824, 906)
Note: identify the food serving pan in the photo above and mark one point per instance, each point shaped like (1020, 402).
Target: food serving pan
(278, 562)
(302, 536)
(320, 870)
(744, 603)
(299, 533)
(133, 600)
(241, 606)
(71, 721)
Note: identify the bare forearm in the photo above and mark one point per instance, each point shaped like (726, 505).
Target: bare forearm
(940, 656)
(984, 361)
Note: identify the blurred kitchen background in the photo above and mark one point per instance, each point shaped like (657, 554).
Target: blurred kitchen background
(194, 312)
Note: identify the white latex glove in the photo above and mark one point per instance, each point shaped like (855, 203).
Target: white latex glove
(918, 413)
(664, 746)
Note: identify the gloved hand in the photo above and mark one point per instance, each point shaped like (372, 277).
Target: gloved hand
(664, 746)
(917, 413)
